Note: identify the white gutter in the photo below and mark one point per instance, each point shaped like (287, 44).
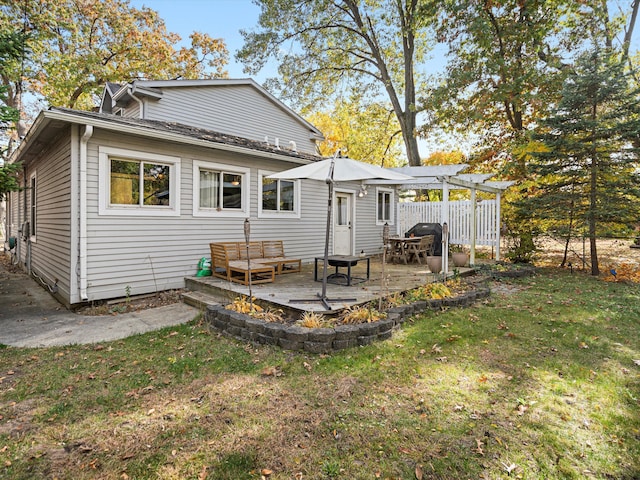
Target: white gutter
(172, 136)
(88, 132)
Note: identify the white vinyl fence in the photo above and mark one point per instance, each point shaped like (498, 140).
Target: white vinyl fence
(410, 213)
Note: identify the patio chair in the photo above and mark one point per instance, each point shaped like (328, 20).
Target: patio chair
(421, 249)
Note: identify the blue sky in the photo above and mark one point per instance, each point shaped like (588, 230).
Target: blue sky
(218, 18)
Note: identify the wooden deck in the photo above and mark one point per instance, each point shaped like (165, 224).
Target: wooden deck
(298, 292)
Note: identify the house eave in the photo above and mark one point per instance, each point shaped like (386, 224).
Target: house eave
(48, 117)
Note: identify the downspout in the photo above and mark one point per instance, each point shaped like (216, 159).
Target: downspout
(84, 140)
(25, 211)
(140, 102)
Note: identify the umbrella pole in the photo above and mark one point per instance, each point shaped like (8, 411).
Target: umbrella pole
(325, 264)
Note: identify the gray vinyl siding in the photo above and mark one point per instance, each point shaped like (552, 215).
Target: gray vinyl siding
(137, 254)
(235, 109)
(50, 251)
(368, 234)
(132, 110)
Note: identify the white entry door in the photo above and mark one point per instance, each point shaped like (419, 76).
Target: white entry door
(342, 224)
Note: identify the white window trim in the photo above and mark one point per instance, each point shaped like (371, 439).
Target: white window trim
(34, 176)
(211, 212)
(104, 175)
(391, 219)
(278, 213)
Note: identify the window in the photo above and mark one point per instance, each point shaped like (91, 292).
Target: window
(138, 183)
(384, 206)
(279, 197)
(33, 198)
(220, 190)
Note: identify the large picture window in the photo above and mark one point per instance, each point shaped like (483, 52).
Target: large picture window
(384, 206)
(278, 197)
(220, 189)
(138, 183)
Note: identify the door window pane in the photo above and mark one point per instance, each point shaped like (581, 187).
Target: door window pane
(342, 215)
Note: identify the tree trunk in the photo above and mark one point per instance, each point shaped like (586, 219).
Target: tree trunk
(593, 197)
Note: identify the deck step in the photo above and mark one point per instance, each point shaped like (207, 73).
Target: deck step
(200, 300)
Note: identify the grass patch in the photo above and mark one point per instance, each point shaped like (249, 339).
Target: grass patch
(538, 381)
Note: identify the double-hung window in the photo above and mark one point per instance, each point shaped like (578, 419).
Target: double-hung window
(220, 190)
(279, 197)
(384, 206)
(138, 183)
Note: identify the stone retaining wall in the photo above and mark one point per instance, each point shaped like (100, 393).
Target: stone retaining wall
(325, 340)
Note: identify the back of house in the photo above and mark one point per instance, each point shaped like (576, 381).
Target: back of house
(126, 200)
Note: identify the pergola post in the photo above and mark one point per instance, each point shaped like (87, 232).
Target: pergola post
(445, 219)
(474, 206)
(499, 222)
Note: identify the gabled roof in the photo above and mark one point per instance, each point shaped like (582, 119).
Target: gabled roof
(153, 89)
(49, 122)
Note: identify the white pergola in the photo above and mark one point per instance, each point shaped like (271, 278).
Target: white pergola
(450, 177)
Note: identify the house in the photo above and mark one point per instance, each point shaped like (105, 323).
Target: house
(126, 200)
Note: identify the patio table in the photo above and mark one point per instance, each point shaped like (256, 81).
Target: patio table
(341, 261)
(399, 248)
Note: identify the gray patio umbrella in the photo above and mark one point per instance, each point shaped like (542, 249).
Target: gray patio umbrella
(331, 170)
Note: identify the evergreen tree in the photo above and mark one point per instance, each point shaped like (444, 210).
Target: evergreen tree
(587, 176)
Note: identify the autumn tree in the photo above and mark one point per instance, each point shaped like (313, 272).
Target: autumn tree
(78, 46)
(367, 133)
(588, 173)
(321, 46)
(504, 71)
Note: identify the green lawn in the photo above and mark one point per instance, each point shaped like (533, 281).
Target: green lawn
(542, 380)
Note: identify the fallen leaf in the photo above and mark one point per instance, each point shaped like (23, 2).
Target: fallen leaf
(307, 366)
(509, 468)
(483, 378)
(479, 445)
(266, 472)
(203, 473)
(583, 345)
(418, 472)
(269, 371)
